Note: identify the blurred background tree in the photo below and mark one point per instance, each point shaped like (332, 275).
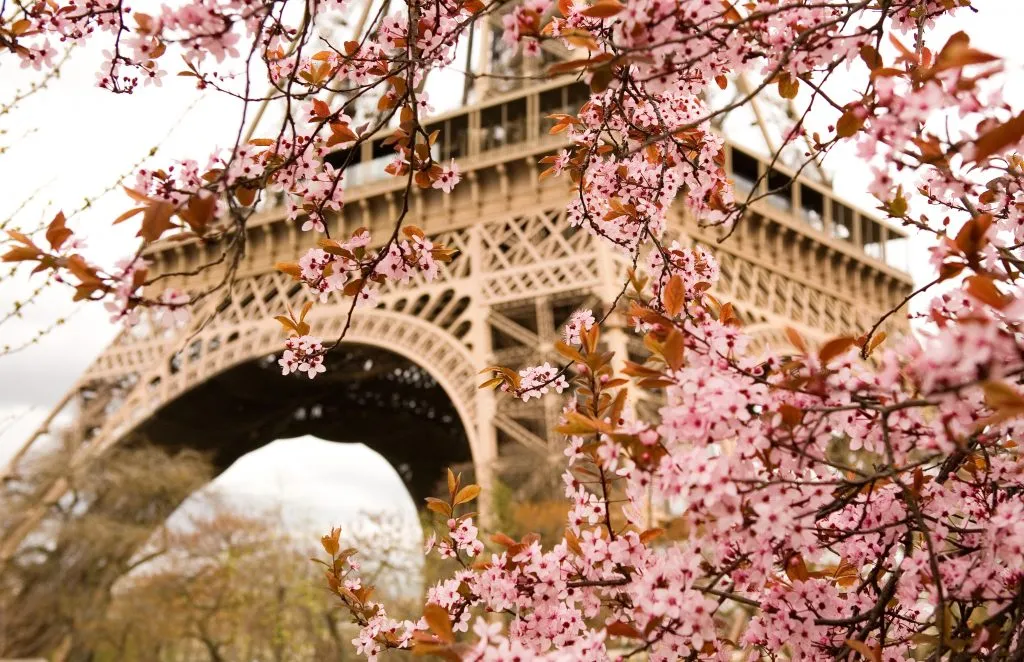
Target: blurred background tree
(110, 580)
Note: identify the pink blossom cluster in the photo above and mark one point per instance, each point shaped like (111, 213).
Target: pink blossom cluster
(522, 26)
(124, 275)
(331, 270)
(303, 354)
(696, 268)
(626, 198)
(171, 307)
(217, 44)
(579, 321)
(847, 503)
(464, 536)
(746, 466)
(367, 642)
(536, 381)
(137, 40)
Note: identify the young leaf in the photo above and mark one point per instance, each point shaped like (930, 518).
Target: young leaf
(796, 339)
(983, 288)
(796, 569)
(998, 138)
(623, 629)
(288, 324)
(453, 483)
(438, 506)
(330, 541)
(467, 494)
(789, 87)
(290, 268)
(834, 348)
(867, 652)
(849, 123)
(440, 622)
(603, 9)
(57, 233)
(674, 295)
(156, 220)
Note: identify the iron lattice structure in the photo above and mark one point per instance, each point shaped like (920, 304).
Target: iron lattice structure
(801, 258)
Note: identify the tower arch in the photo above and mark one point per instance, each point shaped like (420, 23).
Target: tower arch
(396, 384)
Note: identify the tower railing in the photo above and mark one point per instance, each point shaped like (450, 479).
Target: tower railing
(517, 123)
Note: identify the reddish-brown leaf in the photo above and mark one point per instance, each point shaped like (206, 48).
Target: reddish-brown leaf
(849, 123)
(353, 287)
(1000, 396)
(674, 350)
(834, 348)
(128, 214)
(796, 339)
(503, 540)
(789, 86)
(492, 383)
(623, 629)
(330, 541)
(199, 211)
(21, 254)
(974, 234)
(796, 569)
(453, 482)
(137, 196)
(603, 9)
(870, 56)
(320, 109)
(791, 415)
(651, 534)
(288, 324)
(580, 39)
(156, 220)
(438, 506)
(467, 494)
(876, 340)
(601, 79)
(998, 138)
(440, 622)
(983, 288)
(290, 268)
(867, 652)
(57, 233)
(569, 352)
(565, 67)
(957, 53)
(341, 133)
(674, 296)
(245, 196)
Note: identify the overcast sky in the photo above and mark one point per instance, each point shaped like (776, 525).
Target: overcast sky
(74, 140)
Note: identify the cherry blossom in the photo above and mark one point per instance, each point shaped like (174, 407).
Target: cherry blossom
(581, 320)
(303, 354)
(536, 381)
(449, 177)
(855, 495)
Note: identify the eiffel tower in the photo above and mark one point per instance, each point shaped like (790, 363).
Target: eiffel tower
(405, 380)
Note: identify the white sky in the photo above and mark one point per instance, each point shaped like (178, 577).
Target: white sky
(74, 140)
